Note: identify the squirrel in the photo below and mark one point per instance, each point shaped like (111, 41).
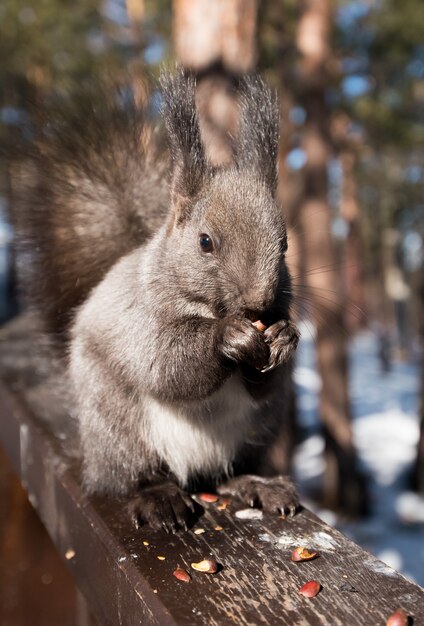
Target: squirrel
(173, 295)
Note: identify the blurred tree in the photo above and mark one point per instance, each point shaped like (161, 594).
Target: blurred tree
(216, 40)
(50, 43)
(343, 484)
(383, 57)
(418, 470)
(53, 46)
(136, 11)
(347, 148)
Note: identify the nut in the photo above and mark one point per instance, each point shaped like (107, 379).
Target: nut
(398, 618)
(182, 575)
(310, 589)
(249, 514)
(207, 566)
(259, 326)
(303, 554)
(208, 497)
(223, 503)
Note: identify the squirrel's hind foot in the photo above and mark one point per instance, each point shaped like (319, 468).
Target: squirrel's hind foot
(274, 495)
(163, 506)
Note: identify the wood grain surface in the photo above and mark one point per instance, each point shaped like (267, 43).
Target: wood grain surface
(36, 589)
(118, 569)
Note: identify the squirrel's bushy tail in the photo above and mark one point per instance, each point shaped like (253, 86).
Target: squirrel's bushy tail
(88, 190)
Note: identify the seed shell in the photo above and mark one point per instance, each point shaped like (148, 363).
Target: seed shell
(310, 589)
(249, 514)
(303, 554)
(259, 326)
(182, 575)
(207, 566)
(398, 618)
(208, 497)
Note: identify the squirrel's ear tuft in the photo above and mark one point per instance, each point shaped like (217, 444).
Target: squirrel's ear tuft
(188, 156)
(256, 147)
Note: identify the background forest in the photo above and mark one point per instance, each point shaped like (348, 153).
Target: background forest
(350, 78)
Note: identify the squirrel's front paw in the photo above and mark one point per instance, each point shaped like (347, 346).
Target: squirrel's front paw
(282, 339)
(243, 343)
(164, 506)
(274, 495)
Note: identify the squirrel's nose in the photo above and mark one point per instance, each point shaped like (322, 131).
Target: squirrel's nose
(252, 315)
(256, 301)
(257, 311)
(254, 307)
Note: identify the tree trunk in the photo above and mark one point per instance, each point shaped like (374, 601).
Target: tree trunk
(136, 13)
(419, 465)
(343, 486)
(216, 40)
(418, 472)
(353, 272)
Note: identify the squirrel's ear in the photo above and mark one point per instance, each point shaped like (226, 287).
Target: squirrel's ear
(256, 147)
(188, 156)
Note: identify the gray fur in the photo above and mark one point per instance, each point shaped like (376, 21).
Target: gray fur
(168, 372)
(257, 143)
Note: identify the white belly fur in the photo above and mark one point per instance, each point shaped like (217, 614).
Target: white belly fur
(202, 437)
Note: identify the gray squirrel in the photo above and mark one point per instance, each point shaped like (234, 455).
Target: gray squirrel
(155, 285)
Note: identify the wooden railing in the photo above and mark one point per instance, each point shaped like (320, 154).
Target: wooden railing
(126, 574)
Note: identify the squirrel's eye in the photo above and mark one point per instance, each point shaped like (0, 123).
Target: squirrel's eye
(206, 243)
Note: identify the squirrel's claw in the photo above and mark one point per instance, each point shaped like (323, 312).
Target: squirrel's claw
(282, 339)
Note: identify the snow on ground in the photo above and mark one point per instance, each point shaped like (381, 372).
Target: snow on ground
(386, 428)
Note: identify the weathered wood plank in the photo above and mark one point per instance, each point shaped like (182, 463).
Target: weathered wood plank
(35, 586)
(124, 581)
